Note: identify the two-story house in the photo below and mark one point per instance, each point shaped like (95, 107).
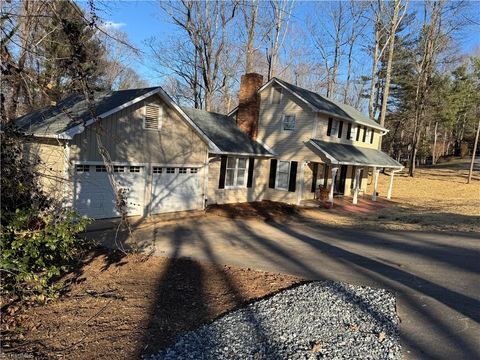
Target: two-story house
(281, 143)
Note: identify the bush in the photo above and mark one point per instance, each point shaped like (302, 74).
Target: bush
(38, 236)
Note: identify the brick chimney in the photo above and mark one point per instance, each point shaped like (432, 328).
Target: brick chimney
(249, 104)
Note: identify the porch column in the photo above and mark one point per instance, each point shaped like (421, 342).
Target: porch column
(356, 181)
(334, 175)
(375, 183)
(390, 187)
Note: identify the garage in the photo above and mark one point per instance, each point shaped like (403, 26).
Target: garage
(175, 189)
(94, 195)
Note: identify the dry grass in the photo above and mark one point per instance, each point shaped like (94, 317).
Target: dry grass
(437, 198)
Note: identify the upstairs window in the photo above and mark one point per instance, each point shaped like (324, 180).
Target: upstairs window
(340, 128)
(82, 168)
(236, 172)
(366, 133)
(152, 117)
(289, 122)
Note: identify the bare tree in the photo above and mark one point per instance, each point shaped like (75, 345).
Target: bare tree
(398, 13)
(205, 25)
(250, 14)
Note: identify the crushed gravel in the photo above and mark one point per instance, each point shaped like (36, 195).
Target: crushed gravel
(317, 320)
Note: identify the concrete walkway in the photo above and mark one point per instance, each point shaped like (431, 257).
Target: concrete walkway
(435, 276)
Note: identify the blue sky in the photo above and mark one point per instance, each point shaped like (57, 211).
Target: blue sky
(142, 20)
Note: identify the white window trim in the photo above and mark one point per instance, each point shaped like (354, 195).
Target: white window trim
(160, 116)
(270, 96)
(235, 173)
(283, 123)
(288, 177)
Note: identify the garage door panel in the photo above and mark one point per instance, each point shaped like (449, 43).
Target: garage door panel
(178, 191)
(94, 195)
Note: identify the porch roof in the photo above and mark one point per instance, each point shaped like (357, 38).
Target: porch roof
(342, 154)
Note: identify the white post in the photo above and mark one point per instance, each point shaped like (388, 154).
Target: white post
(390, 187)
(334, 174)
(356, 181)
(375, 183)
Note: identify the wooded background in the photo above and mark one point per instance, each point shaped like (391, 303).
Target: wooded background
(399, 61)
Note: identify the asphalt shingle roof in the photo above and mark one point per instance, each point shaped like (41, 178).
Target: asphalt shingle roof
(225, 133)
(74, 110)
(349, 154)
(331, 106)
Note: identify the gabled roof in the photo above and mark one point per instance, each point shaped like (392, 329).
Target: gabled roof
(225, 133)
(324, 105)
(342, 154)
(71, 115)
(75, 110)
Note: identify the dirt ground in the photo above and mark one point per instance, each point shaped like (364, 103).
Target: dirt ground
(120, 307)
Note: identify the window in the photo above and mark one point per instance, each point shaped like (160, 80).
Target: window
(236, 172)
(372, 134)
(340, 128)
(157, 170)
(283, 174)
(353, 132)
(118, 168)
(365, 130)
(152, 117)
(289, 122)
(134, 169)
(100, 168)
(182, 170)
(193, 170)
(170, 170)
(334, 130)
(82, 168)
(275, 95)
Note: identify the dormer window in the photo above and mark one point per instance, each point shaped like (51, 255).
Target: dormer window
(152, 117)
(289, 122)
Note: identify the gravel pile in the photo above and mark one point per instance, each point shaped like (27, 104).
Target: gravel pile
(318, 320)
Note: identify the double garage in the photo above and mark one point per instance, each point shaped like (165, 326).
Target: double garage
(147, 189)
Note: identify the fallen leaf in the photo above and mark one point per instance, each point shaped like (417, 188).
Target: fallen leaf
(381, 336)
(317, 347)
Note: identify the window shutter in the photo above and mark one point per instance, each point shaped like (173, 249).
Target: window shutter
(349, 131)
(329, 128)
(152, 117)
(292, 183)
(364, 133)
(371, 136)
(340, 128)
(315, 173)
(273, 173)
(358, 132)
(223, 170)
(251, 163)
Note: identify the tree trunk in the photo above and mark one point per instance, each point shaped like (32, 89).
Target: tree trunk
(434, 150)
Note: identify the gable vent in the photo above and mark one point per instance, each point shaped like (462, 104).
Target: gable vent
(152, 117)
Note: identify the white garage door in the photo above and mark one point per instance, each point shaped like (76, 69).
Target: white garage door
(175, 189)
(94, 195)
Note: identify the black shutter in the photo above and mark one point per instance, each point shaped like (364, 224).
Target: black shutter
(314, 175)
(340, 128)
(223, 170)
(273, 173)
(292, 183)
(371, 136)
(364, 134)
(251, 163)
(358, 132)
(329, 128)
(349, 131)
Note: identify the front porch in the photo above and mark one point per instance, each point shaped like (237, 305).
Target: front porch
(346, 171)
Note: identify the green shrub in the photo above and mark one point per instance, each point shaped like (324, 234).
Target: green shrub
(39, 237)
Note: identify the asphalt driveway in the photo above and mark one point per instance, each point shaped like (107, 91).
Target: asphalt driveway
(435, 276)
